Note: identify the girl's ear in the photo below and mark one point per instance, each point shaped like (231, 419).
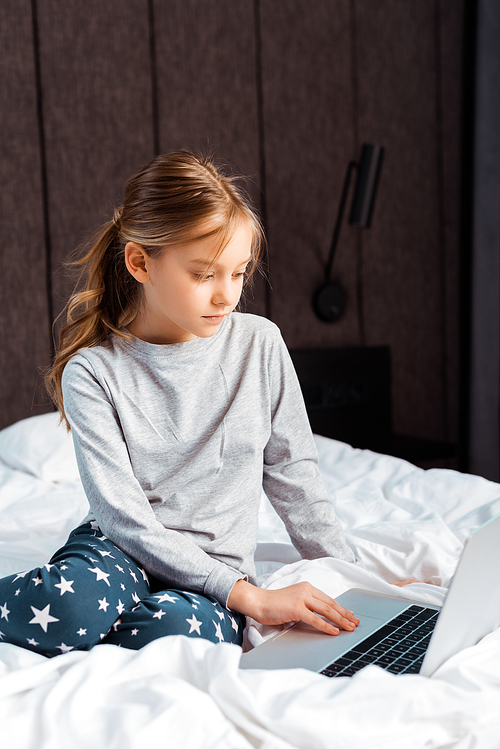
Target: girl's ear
(136, 261)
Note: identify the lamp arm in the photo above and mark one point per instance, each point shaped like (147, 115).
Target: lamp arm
(336, 232)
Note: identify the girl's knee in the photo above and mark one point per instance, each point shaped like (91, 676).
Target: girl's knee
(174, 612)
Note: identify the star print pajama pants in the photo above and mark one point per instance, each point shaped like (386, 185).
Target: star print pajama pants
(91, 592)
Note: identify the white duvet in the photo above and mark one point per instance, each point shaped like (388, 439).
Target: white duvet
(179, 692)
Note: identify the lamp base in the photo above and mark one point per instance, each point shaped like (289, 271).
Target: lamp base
(329, 302)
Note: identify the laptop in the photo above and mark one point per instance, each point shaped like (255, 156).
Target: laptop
(399, 635)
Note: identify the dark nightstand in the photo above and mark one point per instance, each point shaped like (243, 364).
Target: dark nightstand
(347, 393)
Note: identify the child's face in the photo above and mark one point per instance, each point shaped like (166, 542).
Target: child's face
(185, 297)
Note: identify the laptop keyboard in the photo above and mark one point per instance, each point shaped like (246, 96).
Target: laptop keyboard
(399, 646)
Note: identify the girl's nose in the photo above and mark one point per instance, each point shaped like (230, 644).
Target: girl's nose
(225, 294)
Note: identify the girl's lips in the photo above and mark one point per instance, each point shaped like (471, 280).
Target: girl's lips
(214, 318)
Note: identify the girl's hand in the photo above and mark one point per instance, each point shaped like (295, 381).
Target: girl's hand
(300, 602)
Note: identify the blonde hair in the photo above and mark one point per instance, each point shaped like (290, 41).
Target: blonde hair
(176, 198)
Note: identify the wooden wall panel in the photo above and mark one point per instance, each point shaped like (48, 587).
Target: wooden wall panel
(97, 110)
(24, 318)
(207, 87)
(451, 15)
(402, 255)
(309, 140)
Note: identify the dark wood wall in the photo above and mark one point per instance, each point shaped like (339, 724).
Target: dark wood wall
(286, 91)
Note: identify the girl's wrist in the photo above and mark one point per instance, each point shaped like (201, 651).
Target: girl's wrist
(244, 598)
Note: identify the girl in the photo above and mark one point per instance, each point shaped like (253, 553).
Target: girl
(180, 410)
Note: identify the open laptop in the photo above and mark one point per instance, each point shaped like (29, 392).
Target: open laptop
(396, 634)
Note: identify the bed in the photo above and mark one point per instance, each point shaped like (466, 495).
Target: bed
(402, 522)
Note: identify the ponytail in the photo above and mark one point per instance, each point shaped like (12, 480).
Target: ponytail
(170, 201)
(107, 299)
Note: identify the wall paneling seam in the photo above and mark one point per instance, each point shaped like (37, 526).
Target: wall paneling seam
(355, 129)
(469, 44)
(43, 169)
(441, 221)
(262, 153)
(154, 78)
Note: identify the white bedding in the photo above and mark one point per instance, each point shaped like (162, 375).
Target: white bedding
(179, 692)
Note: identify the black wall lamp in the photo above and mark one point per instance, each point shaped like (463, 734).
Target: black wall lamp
(329, 300)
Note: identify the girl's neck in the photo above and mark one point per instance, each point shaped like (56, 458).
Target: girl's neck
(143, 327)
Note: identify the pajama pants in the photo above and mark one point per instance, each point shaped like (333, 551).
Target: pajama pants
(91, 592)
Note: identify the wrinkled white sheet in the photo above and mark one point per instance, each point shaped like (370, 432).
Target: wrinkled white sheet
(402, 522)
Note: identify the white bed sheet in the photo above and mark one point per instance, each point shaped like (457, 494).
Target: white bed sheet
(402, 522)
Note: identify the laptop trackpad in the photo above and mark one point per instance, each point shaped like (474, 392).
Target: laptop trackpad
(303, 646)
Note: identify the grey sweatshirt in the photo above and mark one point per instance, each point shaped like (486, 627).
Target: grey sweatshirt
(174, 443)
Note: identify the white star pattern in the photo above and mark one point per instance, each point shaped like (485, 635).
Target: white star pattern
(134, 576)
(135, 597)
(120, 569)
(81, 632)
(64, 648)
(2, 635)
(93, 560)
(65, 586)
(120, 608)
(220, 614)
(63, 567)
(17, 592)
(106, 554)
(115, 625)
(37, 580)
(134, 632)
(165, 597)
(32, 641)
(5, 611)
(159, 614)
(20, 574)
(143, 573)
(48, 566)
(122, 586)
(100, 575)
(42, 617)
(234, 623)
(218, 631)
(103, 604)
(194, 625)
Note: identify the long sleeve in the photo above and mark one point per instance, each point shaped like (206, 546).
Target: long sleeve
(292, 480)
(117, 499)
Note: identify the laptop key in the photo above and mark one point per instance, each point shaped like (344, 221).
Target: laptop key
(416, 650)
(374, 639)
(332, 669)
(413, 668)
(400, 648)
(406, 661)
(384, 660)
(395, 668)
(375, 652)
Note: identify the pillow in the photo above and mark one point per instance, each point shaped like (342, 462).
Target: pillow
(40, 446)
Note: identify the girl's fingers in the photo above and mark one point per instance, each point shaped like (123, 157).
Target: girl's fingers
(318, 623)
(334, 616)
(345, 614)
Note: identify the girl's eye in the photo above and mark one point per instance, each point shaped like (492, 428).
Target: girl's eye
(202, 276)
